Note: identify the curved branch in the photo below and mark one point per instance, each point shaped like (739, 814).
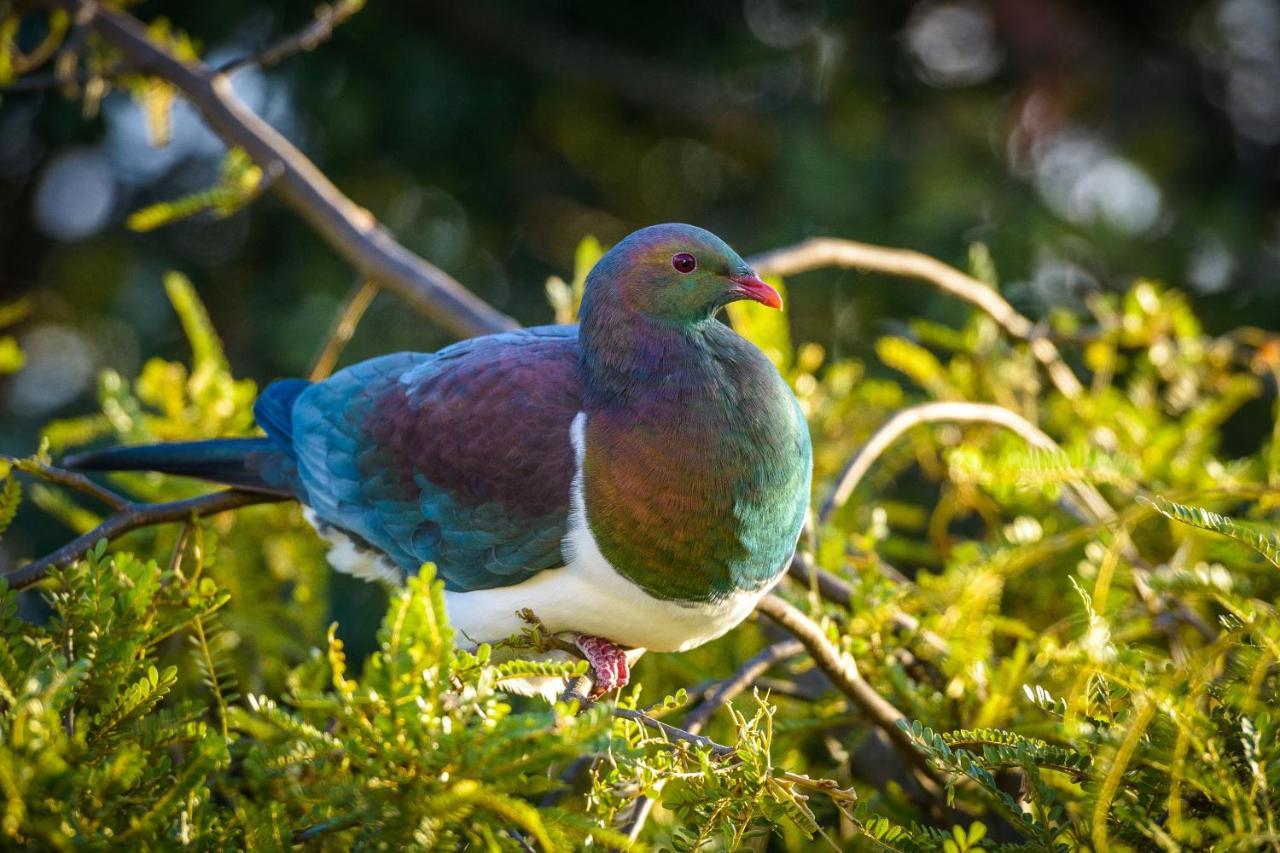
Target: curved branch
(1088, 504)
(131, 518)
(348, 228)
(818, 252)
(951, 412)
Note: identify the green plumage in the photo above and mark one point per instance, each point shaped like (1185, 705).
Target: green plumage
(697, 458)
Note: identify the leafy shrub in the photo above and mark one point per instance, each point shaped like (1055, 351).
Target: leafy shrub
(1084, 666)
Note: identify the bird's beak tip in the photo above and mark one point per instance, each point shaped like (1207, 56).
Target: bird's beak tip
(748, 285)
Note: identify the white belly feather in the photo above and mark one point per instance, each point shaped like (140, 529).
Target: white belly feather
(586, 596)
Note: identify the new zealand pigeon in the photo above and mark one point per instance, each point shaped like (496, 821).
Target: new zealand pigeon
(635, 482)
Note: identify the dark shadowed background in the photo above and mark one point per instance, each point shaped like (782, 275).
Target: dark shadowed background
(1085, 143)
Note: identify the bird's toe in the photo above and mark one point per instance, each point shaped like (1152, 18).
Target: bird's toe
(608, 663)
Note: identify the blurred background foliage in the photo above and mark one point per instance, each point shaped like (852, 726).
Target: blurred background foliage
(1112, 169)
(1085, 143)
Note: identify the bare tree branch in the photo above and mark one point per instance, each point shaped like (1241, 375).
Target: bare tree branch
(950, 412)
(71, 480)
(843, 672)
(820, 252)
(725, 691)
(328, 17)
(348, 228)
(672, 733)
(1088, 505)
(131, 518)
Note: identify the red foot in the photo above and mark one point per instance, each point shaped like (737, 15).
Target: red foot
(608, 661)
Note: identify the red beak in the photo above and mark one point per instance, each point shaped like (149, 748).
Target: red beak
(750, 286)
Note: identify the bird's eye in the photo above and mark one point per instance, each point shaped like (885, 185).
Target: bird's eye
(684, 263)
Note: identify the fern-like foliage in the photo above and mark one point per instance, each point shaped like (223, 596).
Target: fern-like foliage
(1266, 544)
(1073, 683)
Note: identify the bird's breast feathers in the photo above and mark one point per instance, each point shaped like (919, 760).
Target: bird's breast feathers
(657, 527)
(589, 596)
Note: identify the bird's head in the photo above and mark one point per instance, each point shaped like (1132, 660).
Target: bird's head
(675, 274)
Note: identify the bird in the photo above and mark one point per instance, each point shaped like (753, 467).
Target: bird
(634, 482)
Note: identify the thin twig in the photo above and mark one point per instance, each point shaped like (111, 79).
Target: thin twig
(726, 690)
(820, 252)
(672, 733)
(949, 413)
(839, 592)
(350, 229)
(344, 326)
(131, 518)
(1086, 503)
(72, 480)
(328, 17)
(843, 672)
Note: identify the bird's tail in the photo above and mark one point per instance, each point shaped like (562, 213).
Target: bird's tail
(255, 464)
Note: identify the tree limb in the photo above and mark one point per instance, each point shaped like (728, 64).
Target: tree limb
(131, 518)
(348, 228)
(71, 480)
(818, 252)
(670, 732)
(725, 691)
(951, 412)
(843, 672)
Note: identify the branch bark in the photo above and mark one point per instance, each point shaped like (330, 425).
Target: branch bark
(819, 252)
(843, 672)
(131, 518)
(350, 229)
(725, 691)
(319, 30)
(72, 480)
(950, 412)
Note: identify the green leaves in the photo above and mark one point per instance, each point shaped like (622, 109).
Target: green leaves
(11, 357)
(566, 297)
(765, 327)
(1074, 682)
(240, 182)
(1265, 544)
(10, 495)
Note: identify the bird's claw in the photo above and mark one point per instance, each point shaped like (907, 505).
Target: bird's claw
(608, 662)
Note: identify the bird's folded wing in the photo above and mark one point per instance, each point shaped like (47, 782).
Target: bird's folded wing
(461, 458)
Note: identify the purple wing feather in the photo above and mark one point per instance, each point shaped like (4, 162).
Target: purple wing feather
(461, 458)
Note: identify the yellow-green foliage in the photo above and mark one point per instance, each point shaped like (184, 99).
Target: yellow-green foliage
(1077, 684)
(239, 184)
(11, 358)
